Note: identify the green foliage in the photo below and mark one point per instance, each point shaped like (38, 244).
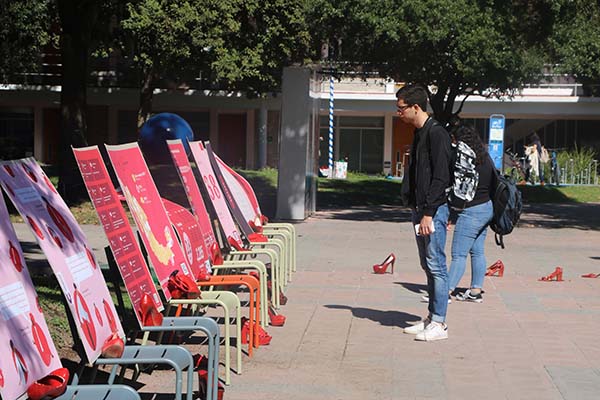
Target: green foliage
(457, 46)
(23, 34)
(578, 165)
(575, 41)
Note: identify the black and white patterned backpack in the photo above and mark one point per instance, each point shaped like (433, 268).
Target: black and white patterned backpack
(465, 177)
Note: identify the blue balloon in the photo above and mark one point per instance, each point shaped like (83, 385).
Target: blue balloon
(157, 130)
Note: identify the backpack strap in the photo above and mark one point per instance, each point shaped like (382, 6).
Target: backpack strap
(499, 240)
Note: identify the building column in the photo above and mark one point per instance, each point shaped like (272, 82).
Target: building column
(262, 137)
(113, 125)
(213, 126)
(388, 133)
(38, 133)
(250, 138)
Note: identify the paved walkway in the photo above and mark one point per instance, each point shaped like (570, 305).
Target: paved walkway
(343, 338)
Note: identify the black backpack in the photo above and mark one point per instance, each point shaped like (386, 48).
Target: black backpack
(464, 176)
(508, 205)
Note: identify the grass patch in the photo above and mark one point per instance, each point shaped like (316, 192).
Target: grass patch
(560, 194)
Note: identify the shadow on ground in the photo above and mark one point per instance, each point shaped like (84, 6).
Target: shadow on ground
(385, 318)
(413, 287)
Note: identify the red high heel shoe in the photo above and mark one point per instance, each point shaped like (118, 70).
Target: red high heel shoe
(113, 347)
(274, 318)
(496, 269)
(263, 337)
(554, 276)
(52, 385)
(150, 315)
(382, 268)
(203, 379)
(590, 275)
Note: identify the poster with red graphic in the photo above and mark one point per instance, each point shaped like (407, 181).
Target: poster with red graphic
(67, 250)
(149, 213)
(190, 239)
(216, 194)
(242, 192)
(26, 349)
(121, 239)
(192, 190)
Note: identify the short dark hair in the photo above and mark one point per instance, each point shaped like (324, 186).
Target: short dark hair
(413, 94)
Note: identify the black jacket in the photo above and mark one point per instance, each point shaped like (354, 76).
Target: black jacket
(424, 187)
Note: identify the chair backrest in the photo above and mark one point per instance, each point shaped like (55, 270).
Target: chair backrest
(67, 250)
(99, 392)
(121, 239)
(27, 352)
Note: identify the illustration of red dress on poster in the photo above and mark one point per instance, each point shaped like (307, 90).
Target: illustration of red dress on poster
(15, 257)
(84, 318)
(40, 341)
(60, 221)
(19, 363)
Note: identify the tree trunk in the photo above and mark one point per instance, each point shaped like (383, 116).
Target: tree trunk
(77, 20)
(146, 95)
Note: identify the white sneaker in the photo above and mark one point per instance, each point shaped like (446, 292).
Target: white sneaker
(425, 298)
(433, 331)
(419, 327)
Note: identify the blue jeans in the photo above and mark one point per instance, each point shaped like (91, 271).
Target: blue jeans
(469, 238)
(433, 261)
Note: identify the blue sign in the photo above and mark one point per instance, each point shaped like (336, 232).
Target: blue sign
(496, 142)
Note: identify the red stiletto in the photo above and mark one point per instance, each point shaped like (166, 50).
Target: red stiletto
(275, 318)
(150, 314)
(203, 380)
(496, 269)
(282, 297)
(113, 347)
(52, 385)
(556, 275)
(590, 275)
(382, 268)
(262, 339)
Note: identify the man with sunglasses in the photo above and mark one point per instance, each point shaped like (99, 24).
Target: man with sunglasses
(424, 190)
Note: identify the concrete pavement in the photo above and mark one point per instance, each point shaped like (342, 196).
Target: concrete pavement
(343, 337)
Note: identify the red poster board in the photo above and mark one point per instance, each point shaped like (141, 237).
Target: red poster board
(68, 252)
(121, 239)
(27, 352)
(215, 193)
(190, 238)
(149, 213)
(192, 190)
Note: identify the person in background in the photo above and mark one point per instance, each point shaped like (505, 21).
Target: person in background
(535, 140)
(472, 222)
(424, 190)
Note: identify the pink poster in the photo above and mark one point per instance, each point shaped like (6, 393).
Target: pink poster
(121, 239)
(192, 190)
(149, 213)
(190, 238)
(242, 193)
(27, 352)
(216, 194)
(67, 250)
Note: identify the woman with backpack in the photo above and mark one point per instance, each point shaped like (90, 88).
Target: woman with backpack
(473, 212)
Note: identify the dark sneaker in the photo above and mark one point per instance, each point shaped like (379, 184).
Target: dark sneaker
(468, 296)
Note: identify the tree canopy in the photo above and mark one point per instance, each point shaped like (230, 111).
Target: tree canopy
(454, 47)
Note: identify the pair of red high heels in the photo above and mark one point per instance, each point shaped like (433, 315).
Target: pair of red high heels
(556, 275)
(382, 268)
(263, 337)
(496, 269)
(52, 385)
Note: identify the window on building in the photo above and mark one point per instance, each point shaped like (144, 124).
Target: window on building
(16, 134)
(361, 143)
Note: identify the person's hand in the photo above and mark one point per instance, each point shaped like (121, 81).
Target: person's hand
(449, 226)
(426, 226)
